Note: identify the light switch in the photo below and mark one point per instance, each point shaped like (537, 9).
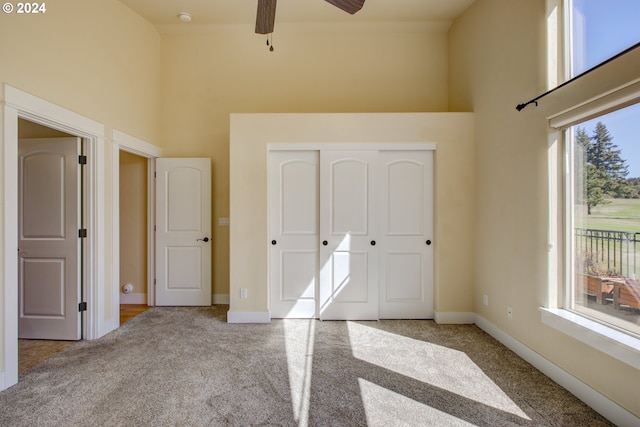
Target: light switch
(223, 222)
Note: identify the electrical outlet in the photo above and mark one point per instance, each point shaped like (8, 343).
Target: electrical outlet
(485, 299)
(243, 293)
(509, 312)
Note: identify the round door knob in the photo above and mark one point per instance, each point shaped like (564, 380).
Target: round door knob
(324, 242)
(373, 243)
(428, 242)
(273, 242)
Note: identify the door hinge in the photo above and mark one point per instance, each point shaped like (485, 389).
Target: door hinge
(154, 281)
(82, 160)
(82, 233)
(82, 306)
(154, 227)
(155, 174)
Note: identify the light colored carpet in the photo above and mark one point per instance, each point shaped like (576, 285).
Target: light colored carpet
(188, 367)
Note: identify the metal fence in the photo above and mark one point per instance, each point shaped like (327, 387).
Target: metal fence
(615, 250)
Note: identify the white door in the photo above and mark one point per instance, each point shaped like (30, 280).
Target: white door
(293, 211)
(183, 231)
(48, 242)
(348, 233)
(406, 234)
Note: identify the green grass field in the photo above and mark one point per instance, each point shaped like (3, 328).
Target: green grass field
(619, 215)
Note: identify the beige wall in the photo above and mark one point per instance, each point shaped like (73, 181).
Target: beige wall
(96, 58)
(210, 73)
(454, 192)
(133, 222)
(497, 60)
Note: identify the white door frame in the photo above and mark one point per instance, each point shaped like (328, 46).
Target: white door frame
(19, 104)
(133, 145)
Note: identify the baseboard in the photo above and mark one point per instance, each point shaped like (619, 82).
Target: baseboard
(600, 403)
(133, 298)
(248, 317)
(221, 299)
(454, 318)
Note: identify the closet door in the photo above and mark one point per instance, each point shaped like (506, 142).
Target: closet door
(293, 211)
(348, 233)
(406, 228)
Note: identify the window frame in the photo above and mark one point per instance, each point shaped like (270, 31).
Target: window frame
(558, 313)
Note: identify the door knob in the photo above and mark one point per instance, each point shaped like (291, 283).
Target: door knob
(206, 239)
(373, 243)
(324, 242)
(428, 242)
(273, 242)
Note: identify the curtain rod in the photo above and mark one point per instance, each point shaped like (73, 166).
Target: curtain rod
(520, 107)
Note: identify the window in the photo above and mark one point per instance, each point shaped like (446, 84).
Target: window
(603, 218)
(597, 116)
(598, 30)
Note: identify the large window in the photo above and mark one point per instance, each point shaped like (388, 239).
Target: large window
(602, 179)
(603, 221)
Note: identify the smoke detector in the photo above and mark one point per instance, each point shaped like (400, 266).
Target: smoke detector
(184, 16)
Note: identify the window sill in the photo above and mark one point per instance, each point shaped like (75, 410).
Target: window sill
(608, 340)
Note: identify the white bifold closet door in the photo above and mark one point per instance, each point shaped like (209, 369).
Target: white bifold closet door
(406, 235)
(293, 213)
(349, 233)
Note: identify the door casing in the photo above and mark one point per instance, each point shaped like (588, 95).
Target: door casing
(19, 104)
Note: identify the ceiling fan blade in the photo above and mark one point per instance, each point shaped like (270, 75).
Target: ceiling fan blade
(266, 16)
(350, 6)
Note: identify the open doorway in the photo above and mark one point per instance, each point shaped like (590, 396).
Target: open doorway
(38, 338)
(134, 251)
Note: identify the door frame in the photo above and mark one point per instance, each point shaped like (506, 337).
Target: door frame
(133, 145)
(19, 104)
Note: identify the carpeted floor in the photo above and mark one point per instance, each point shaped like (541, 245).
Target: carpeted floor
(187, 366)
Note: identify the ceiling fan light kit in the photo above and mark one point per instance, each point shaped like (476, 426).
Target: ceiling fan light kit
(266, 14)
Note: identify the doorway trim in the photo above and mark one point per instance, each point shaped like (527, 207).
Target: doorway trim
(133, 145)
(19, 104)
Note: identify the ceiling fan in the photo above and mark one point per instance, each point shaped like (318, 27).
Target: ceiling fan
(266, 14)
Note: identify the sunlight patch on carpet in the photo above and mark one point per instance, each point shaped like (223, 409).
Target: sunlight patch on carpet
(442, 367)
(384, 407)
(299, 339)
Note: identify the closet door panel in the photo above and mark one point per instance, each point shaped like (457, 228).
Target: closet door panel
(293, 210)
(406, 267)
(348, 230)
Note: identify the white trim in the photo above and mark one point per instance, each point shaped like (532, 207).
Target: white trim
(612, 342)
(19, 104)
(248, 317)
(46, 113)
(10, 258)
(133, 298)
(221, 299)
(151, 234)
(613, 100)
(454, 318)
(350, 146)
(135, 145)
(600, 403)
(115, 228)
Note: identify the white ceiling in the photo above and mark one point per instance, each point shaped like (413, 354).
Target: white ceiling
(207, 12)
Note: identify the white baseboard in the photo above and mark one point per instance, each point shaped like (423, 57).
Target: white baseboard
(221, 299)
(454, 318)
(248, 317)
(600, 403)
(133, 298)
